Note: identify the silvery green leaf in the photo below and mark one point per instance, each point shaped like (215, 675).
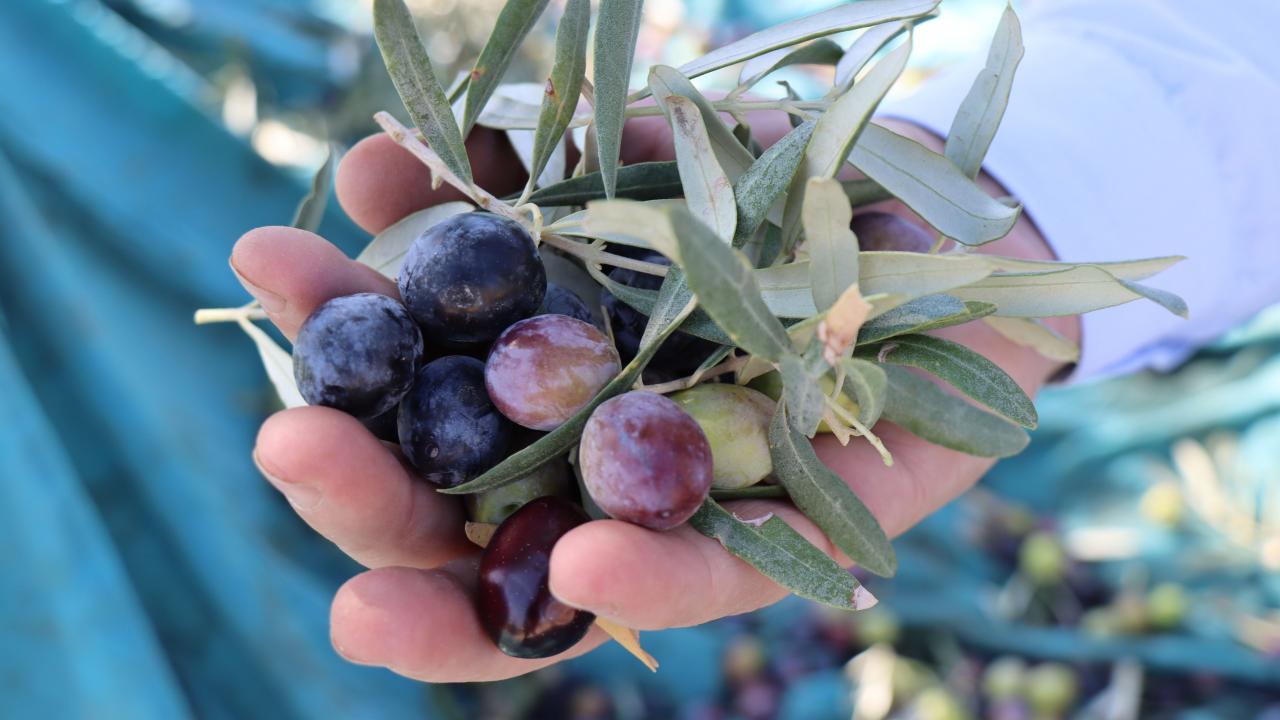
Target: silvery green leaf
(837, 130)
(385, 253)
(749, 493)
(965, 370)
(802, 395)
(517, 106)
(277, 363)
(933, 187)
(725, 285)
(766, 180)
(1123, 269)
(558, 441)
(617, 26)
(930, 312)
(515, 20)
(638, 224)
(1072, 291)
(1033, 334)
(784, 556)
(714, 359)
(927, 411)
(867, 384)
(667, 82)
(847, 16)
(563, 87)
(552, 169)
(825, 499)
(980, 112)
(706, 187)
(642, 181)
(673, 296)
(1165, 299)
(833, 248)
(818, 52)
(410, 70)
(861, 51)
(698, 324)
(786, 288)
(311, 210)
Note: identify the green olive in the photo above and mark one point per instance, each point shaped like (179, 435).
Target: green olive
(1051, 689)
(735, 420)
(1003, 678)
(1042, 559)
(494, 506)
(771, 384)
(1167, 605)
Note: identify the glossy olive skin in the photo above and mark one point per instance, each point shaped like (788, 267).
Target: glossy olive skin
(679, 355)
(449, 430)
(514, 603)
(544, 369)
(886, 231)
(644, 460)
(735, 420)
(553, 478)
(560, 300)
(357, 353)
(468, 277)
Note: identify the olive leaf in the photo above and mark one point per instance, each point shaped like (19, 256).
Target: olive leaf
(979, 115)
(277, 363)
(1071, 291)
(552, 168)
(410, 70)
(666, 82)
(837, 130)
(385, 253)
(833, 248)
(1035, 335)
(864, 192)
(558, 441)
(933, 187)
(786, 288)
(1123, 269)
(1165, 299)
(868, 385)
(860, 53)
(784, 556)
(825, 499)
(802, 394)
(518, 106)
(628, 222)
(848, 16)
(617, 26)
(706, 187)
(965, 370)
(925, 410)
(818, 52)
(673, 296)
(922, 315)
(642, 181)
(754, 492)
(757, 189)
(725, 285)
(515, 20)
(311, 209)
(563, 87)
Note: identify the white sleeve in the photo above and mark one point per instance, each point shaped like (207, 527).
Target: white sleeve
(1139, 128)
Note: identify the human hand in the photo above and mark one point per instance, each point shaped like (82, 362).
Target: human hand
(413, 611)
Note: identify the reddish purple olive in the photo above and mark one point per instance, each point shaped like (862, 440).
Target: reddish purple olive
(544, 369)
(886, 231)
(645, 460)
(514, 602)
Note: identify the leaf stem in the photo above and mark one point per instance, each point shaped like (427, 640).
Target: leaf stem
(685, 383)
(206, 316)
(591, 253)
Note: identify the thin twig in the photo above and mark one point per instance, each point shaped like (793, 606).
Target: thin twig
(685, 383)
(590, 253)
(205, 316)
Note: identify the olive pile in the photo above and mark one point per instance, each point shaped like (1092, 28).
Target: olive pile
(474, 286)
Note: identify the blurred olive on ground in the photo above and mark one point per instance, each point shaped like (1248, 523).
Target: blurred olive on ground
(1042, 560)
(877, 625)
(770, 384)
(938, 703)
(744, 659)
(735, 420)
(1163, 503)
(493, 506)
(1051, 689)
(1004, 678)
(1167, 605)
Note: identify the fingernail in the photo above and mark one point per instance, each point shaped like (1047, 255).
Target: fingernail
(269, 301)
(301, 496)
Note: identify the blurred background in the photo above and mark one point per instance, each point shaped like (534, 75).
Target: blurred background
(1124, 566)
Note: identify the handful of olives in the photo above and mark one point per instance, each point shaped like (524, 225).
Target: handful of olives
(739, 307)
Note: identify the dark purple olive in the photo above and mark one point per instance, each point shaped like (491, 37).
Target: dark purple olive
(645, 460)
(514, 602)
(886, 231)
